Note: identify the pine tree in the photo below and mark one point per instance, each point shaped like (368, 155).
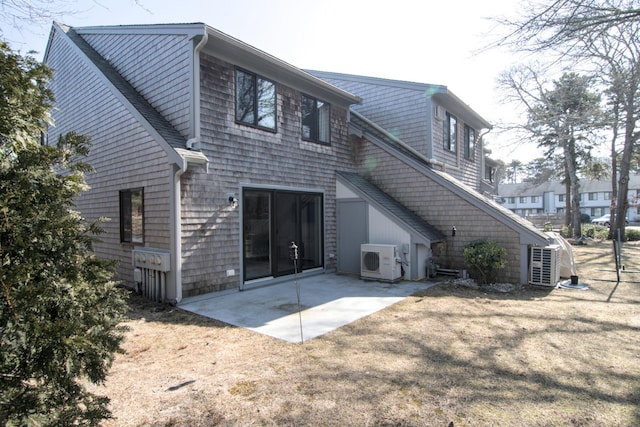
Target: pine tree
(60, 311)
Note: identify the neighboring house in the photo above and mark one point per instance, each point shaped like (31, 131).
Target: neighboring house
(211, 157)
(596, 199)
(429, 118)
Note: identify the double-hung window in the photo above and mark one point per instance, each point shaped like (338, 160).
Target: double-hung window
(450, 132)
(255, 100)
(132, 216)
(469, 142)
(316, 123)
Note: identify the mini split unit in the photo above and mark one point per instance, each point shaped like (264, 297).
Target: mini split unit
(380, 262)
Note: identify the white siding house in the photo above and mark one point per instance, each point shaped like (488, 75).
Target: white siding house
(549, 198)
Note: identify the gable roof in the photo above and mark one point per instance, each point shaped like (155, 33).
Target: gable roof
(221, 45)
(154, 122)
(439, 93)
(425, 232)
(528, 233)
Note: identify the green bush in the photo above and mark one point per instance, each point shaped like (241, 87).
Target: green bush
(484, 260)
(585, 218)
(632, 235)
(594, 231)
(566, 232)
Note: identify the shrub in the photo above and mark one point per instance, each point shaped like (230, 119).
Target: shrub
(585, 218)
(484, 260)
(632, 235)
(566, 232)
(594, 231)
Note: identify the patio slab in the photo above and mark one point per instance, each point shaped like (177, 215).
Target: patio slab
(327, 302)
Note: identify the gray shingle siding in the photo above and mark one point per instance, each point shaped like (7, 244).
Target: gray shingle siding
(405, 110)
(442, 209)
(158, 66)
(123, 153)
(244, 156)
(400, 111)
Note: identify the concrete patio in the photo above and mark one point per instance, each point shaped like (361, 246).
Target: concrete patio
(327, 302)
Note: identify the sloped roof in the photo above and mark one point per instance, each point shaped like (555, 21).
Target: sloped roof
(389, 205)
(441, 94)
(391, 144)
(137, 101)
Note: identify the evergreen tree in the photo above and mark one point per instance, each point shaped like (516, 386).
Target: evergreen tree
(59, 309)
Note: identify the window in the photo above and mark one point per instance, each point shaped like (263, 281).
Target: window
(255, 101)
(607, 195)
(561, 197)
(316, 125)
(469, 142)
(132, 216)
(593, 196)
(450, 132)
(489, 173)
(523, 199)
(534, 199)
(512, 200)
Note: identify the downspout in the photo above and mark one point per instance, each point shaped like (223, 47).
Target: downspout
(176, 228)
(194, 140)
(179, 169)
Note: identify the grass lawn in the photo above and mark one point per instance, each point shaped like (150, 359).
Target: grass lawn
(534, 357)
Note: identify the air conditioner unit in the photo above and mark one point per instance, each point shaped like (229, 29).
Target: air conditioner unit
(545, 266)
(380, 262)
(439, 112)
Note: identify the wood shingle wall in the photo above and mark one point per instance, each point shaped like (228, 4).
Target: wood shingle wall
(244, 156)
(439, 206)
(158, 66)
(123, 154)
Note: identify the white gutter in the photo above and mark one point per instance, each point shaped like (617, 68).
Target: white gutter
(187, 157)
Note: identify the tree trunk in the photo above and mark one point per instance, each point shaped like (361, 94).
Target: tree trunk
(622, 202)
(572, 175)
(567, 200)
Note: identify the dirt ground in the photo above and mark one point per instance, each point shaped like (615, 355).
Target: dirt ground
(452, 354)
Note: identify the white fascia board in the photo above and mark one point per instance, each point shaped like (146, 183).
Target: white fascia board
(239, 53)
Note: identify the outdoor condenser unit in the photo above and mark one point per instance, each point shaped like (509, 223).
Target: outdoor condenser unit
(545, 266)
(380, 262)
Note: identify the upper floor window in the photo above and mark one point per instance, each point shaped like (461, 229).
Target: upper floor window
(450, 132)
(512, 200)
(593, 196)
(561, 197)
(469, 142)
(607, 195)
(255, 100)
(523, 199)
(489, 173)
(132, 216)
(316, 123)
(534, 199)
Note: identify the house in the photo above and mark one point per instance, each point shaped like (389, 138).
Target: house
(429, 118)
(527, 199)
(212, 158)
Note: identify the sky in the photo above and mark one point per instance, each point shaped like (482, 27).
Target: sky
(413, 40)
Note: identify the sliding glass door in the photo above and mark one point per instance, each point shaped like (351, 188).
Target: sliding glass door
(272, 221)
